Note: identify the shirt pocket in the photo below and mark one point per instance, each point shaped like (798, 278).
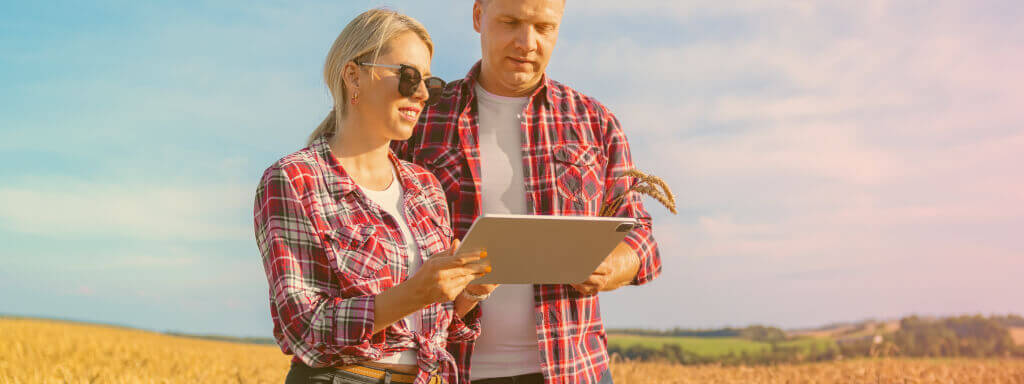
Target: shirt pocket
(579, 180)
(352, 250)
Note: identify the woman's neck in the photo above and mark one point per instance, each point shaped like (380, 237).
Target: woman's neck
(364, 155)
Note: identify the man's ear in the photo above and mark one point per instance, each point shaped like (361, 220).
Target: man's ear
(478, 11)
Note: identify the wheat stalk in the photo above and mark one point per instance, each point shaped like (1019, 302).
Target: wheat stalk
(644, 184)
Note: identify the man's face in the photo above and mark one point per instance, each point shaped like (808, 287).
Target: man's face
(516, 39)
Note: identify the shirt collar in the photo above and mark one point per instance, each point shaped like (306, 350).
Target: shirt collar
(469, 85)
(340, 184)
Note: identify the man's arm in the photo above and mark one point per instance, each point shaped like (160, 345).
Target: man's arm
(617, 270)
(637, 259)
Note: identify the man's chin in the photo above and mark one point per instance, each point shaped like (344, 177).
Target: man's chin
(521, 80)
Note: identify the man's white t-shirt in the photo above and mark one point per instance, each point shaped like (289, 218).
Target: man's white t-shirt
(507, 345)
(390, 200)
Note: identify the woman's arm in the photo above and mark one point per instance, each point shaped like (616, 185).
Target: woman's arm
(319, 327)
(477, 293)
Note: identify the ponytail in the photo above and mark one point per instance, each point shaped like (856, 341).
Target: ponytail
(326, 127)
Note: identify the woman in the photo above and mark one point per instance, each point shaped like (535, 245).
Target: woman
(356, 244)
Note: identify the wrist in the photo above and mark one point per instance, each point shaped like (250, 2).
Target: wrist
(414, 294)
(472, 297)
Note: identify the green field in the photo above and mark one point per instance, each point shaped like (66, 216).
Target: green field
(715, 346)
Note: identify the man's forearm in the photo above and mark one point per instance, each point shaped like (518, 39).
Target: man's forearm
(625, 265)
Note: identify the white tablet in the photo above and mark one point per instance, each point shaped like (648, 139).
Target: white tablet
(533, 249)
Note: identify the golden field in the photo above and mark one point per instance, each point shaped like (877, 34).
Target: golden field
(44, 351)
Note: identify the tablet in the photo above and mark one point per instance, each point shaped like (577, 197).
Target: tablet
(534, 249)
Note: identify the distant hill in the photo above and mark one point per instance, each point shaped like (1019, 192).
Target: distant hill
(233, 339)
(846, 332)
(913, 336)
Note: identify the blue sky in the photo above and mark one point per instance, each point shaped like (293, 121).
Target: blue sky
(833, 161)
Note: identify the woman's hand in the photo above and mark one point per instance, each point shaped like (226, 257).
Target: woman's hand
(443, 276)
(465, 303)
(481, 289)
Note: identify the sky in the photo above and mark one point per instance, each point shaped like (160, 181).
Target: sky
(832, 161)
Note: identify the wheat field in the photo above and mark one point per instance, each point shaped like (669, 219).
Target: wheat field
(45, 351)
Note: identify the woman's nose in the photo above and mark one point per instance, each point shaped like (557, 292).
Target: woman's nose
(421, 93)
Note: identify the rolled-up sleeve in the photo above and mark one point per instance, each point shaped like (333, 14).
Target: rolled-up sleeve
(465, 328)
(318, 326)
(641, 238)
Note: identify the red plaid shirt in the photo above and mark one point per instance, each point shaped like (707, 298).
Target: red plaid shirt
(328, 250)
(573, 149)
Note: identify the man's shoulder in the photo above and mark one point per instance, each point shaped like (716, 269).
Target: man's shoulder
(446, 104)
(570, 100)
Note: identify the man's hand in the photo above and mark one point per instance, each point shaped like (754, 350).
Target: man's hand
(616, 270)
(597, 280)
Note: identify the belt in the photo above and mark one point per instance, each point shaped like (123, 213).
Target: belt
(386, 376)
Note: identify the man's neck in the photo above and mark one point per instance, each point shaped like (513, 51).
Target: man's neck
(485, 82)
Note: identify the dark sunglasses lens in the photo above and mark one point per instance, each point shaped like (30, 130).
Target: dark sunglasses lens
(434, 86)
(408, 81)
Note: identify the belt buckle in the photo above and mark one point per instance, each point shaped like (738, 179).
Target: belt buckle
(435, 378)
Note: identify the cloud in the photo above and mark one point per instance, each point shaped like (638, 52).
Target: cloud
(832, 160)
(84, 291)
(873, 143)
(64, 207)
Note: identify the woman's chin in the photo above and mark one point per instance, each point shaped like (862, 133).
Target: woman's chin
(402, 132)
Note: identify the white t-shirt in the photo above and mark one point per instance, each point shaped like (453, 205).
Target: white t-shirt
(508, 340)
(390, 200)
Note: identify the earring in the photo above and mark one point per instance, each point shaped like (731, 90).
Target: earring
(355, 97)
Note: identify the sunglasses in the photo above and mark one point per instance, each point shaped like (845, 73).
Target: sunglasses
(409, 81)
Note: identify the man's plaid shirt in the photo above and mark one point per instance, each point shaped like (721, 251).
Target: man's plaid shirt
(328, 250)
(573, 149)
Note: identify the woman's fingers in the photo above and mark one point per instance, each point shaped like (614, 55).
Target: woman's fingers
(474, 269)
(454, 261)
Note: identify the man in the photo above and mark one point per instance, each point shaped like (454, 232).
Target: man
(507, 139)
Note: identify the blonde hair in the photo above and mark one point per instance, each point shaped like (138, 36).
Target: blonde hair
(365, 36)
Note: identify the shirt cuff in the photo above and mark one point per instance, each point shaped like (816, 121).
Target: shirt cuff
(355, 317)
(642, 243)
(465, 328)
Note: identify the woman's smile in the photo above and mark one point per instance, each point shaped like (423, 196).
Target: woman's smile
(410, 114)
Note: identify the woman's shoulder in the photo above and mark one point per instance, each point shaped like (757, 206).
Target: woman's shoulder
(298, 168)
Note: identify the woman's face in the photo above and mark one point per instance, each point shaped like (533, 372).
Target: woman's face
(381, 107)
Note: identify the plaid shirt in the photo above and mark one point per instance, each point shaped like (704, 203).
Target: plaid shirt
(328, 250)
(573, 149)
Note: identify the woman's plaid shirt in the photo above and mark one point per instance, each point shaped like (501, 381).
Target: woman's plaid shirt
(573, 149)
(328, 250)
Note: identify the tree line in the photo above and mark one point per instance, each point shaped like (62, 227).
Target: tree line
(960, 336)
